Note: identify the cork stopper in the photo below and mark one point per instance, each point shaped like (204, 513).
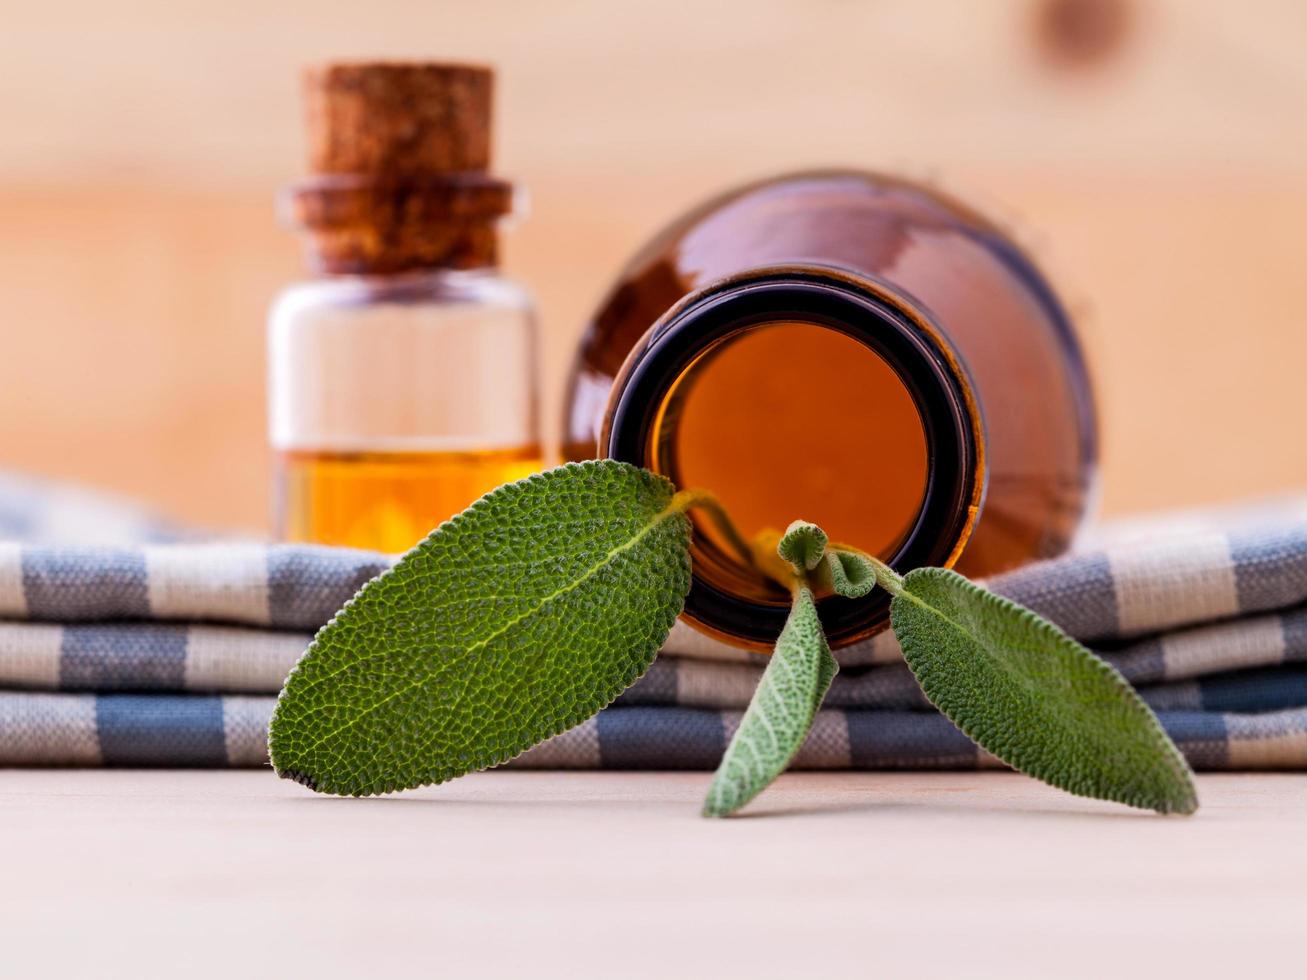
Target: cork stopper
(399, 155)
(398, 119)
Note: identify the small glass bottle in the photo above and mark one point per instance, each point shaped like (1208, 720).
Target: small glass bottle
(402, 380)
(853, 350)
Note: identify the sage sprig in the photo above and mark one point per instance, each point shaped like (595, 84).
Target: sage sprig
(537, 606)
(1014, 683)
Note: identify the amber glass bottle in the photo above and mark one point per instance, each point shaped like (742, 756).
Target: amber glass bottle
(402, 378)
(848, 349)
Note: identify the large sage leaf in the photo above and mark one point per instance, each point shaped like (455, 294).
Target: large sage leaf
(514, 621)
(1035, 698)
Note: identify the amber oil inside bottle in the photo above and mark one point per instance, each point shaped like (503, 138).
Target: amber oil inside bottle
(793, 395)
(402, 376)
(387, 500)
(780, 423)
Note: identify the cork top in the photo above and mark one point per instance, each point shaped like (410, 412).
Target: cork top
(399, 155)
(398, 119)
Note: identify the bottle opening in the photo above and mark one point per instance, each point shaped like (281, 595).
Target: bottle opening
(789, 420)
(803, 393)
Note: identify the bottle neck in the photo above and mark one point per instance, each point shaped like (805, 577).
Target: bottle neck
(841, 431)
(359, 224)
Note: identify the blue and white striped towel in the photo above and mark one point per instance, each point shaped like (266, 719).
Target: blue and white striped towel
(171, 653)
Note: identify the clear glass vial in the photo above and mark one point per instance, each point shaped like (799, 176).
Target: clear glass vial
(402, 380)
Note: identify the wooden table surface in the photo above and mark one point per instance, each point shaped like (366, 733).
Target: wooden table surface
(506, 874)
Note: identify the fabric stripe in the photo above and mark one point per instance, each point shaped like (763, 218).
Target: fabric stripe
(229, 658)
(892, 687)
(30, 654)
(707, 685)
(1170, 583)
(685, 641)
(1157, 605)
(1273, 741)
(13, 598)
(1271, 567)
(245, 730)
(1180, 696)
(1078, 593)
(1200, 736)
(827, 745)
(226, 582)
(657, 686)
(686, 738)
(1293, 627)
(730, 725)
(1211, 647)
(883, 648)
(146, 656)
(147, 730)
(190, 730)
(1250, 642)
(110, 657)
(1141, 663)
(577, 748)
(307, 584)
(725, 686)
(892, 740)
(1254, 691)
(48, 730)
(74, 584)
(1143, 586)
(1269, 689)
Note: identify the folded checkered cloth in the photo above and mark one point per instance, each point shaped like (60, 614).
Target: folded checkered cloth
(48, 729)
(170, 654)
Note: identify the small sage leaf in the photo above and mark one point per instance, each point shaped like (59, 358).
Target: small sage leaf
(512, 622)
(851, 574)
(1035, 698)
(802, 545)
(781, 711)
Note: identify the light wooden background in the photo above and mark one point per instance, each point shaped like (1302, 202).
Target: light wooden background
(1161, 178)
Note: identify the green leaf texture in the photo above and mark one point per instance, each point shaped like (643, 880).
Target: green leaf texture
(512, 622)
(849, 573)
(780, 713)
(1034, 697)
(802, 545)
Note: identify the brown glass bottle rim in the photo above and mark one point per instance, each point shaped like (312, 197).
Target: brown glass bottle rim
(870, 312)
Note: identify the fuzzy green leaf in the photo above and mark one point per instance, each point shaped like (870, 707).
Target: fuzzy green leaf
(802, 545)
(1034, 697)
(512, 622)
(781, 711)
(850, 574)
